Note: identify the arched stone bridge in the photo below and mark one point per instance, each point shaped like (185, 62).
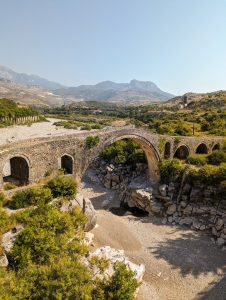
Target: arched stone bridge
(30, 160)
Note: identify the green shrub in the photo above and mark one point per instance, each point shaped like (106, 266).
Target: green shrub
(9, 186)
(92, 141)
(62, 186)
(183, 130)
(96, 126)
(196, 159)
(122, 285)
(208, 175)
(6, 221)
(33, 196)
(86, 127)
(46, 233)
(170, 170)
(3, 199)
(217, 157)
(124, 152)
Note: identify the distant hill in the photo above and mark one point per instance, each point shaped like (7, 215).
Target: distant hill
(134, 92)
(199, 100)
(30, 95)
(29, 80)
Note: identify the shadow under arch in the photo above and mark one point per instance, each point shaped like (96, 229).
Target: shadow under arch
(202, 149)
(182, 152)
(66, 163)
(216, 147)
(16, 169)
(151, 153)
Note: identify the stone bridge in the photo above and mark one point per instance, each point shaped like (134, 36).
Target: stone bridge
(30, 160)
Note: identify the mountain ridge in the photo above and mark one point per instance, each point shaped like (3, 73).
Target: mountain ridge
(135, 90)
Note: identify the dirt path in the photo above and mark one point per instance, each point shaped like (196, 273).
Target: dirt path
(180, 263)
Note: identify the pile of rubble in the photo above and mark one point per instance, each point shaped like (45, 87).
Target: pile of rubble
(117, 176)
(163, 201)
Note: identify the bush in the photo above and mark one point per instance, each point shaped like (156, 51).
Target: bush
(92, 141)
(6, 221)
(9, 186)
(46, 233)
(64, 186)
(208, 174)
(196, 159)
(3, 199)
(33, 196)
(122, 285)
(124, 152)
(170, 170)
(217, 157)
(86, 127)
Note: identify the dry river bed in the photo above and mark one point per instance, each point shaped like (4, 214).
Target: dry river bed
(180, 263)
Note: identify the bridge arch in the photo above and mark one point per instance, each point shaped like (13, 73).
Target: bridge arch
(151, 152)
(66, 163)
(16, 169)
(216, 147)
(202, 149)
(182, 152)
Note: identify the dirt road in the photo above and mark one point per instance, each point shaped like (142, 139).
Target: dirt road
(180, 263)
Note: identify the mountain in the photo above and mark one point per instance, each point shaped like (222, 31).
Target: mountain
(29, 80)
(133, 92)
(199, 100)
(31, 95)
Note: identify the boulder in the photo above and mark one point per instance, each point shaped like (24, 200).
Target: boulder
(188, 210)
(113, 255)
(219, 224)
(9, 238)
(3, 260)
(186, 221)
(87, 208)
(163, 189)
(171, 209)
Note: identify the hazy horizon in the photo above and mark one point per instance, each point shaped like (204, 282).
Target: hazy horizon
(180, 46)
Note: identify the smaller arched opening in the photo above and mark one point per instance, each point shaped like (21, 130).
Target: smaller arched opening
(67, 164)
(216, 147)
(202, 149)
(16, 170)
(182, 152)
(167, 150)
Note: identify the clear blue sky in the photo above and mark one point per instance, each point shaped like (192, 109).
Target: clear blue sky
(178, 44)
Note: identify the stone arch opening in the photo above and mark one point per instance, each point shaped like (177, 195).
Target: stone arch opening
(151, 154)
(182, 152)
(216, 147)
(167, 150)
(16, 170)
(67, 164)
(201, 149)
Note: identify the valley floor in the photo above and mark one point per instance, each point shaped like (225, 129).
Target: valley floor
(36, 130)
(180, 263)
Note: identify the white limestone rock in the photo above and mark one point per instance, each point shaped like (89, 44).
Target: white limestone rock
(113, 256)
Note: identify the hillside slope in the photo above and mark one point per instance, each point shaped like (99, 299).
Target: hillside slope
(29, 95)
(30, 80)
(199, 100)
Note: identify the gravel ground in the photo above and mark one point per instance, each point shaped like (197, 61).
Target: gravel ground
(36, 130)
(180, 263)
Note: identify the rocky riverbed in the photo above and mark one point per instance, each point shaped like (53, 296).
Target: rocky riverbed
(180, 263)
